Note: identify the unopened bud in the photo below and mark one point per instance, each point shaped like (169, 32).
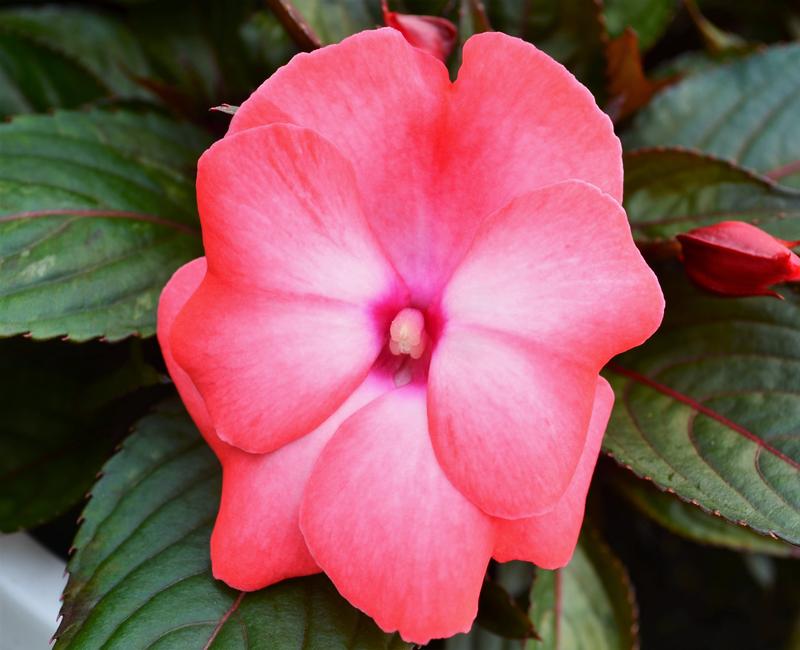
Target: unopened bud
(734, 258)
(431, 34)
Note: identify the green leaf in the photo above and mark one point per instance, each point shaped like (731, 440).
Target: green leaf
(480, 639)
(708, 407)
(499, 613)
(140, 577)
(571, 31)
(648, 18)
(691, 522)
(204, 52)
(718, 42)
(587, 605)
(669, 191)
(502, 622)
(96, 212)
(61, 57)
(327, 21)
(745, 111)
(62, 416)
(703, 408)
(472, 19)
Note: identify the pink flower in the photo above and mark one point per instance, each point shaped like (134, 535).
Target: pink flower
(393, 343)
(734, 258)
(431, 34)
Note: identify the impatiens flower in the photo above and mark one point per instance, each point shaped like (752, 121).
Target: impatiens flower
(431, 34)
(734, 258)
(393, 342)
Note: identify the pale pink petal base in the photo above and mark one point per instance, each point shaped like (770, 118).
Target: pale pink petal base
(383, 522)
(271, 368)
(548, 540)
(288, 318)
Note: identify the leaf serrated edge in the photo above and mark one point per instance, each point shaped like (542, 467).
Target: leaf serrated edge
(621, 572)
(122, 446)
(694, 152)
(694, 502)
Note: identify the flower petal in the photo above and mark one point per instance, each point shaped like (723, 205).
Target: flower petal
(548, 540)
(559, 266)
(257, 540)
(291, 313)
(434, 159)
(383, 522)
(508, 419)
(183, 283)
(272, 368)
(281, 212)
(381, 102)
(523, 121)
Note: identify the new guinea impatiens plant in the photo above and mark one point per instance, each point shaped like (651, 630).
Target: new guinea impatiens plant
(393, 342)
(386, 351)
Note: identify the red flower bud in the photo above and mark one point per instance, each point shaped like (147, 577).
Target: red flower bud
(431, 34)
(734, 258)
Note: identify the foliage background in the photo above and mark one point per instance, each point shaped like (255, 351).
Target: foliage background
(107, 108)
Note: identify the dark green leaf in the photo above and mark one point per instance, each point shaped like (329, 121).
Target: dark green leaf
(671, 191)
(745, 111)
(96, 212)
(333, 20)
(204, 52)
(718, 42)
(61, 57)
(648, 18)
(499, 613)
(480, 639)
(61, 419)
(709, 406)
(472, 19)
(587, 605)
(706, 408)
(571, 31)
(140, 577)
(691, 522)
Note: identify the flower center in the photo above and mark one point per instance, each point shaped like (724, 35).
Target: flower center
(407, 333)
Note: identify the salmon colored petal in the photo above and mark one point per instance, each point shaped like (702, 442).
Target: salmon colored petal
(559, 266)
(522, 121)
(381, 102)
(548, 540)
(385, 524)
(515, 120)
(183, 283)
(508, 419)
(281, 213)
(271, 368)
(257, 540)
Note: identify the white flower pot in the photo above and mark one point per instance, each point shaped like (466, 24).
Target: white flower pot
(31, 581)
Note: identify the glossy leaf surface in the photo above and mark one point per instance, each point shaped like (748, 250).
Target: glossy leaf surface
(96, 212)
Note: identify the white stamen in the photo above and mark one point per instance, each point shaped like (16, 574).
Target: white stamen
(407, 333)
